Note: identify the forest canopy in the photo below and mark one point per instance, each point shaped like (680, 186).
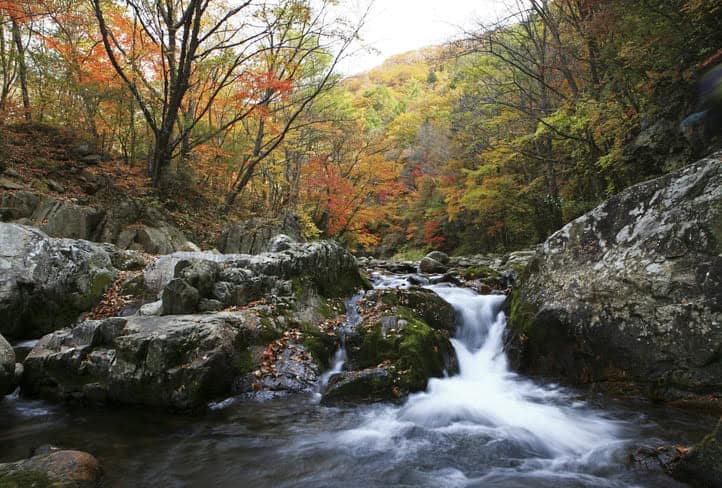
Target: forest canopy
(490, 142)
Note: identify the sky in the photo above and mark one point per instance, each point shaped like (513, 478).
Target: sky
(397, 26)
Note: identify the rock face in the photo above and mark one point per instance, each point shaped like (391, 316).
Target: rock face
(175, 362)
(632, 291)
(402, 341)
(256, 235)
(47, 282)
(127, 223)
(56, 469)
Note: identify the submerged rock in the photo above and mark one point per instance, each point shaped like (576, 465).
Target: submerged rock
(55, 469)
(632, 291)
(47, 282)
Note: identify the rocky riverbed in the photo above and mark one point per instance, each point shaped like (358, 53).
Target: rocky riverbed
(623, 300)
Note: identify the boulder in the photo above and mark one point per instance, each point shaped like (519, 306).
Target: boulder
(178, 362)
(18, 205)
(430, 265)
(59, 218)
(439, 256)
(401, 342)
(8, 368)
(55, 469)
(47, 282)
(632, 291)
(302, 272)
(256, 235)
(162, 240)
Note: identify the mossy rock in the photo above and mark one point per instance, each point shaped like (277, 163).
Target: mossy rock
(702, 465)
(483, 273)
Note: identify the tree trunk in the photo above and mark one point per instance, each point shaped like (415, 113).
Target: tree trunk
(22, 70)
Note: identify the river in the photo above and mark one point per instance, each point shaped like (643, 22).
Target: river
(484, 427)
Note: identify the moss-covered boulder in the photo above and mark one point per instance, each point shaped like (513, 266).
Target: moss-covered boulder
(402, 341)
(631, 291)
(56, 469)
(47, 282)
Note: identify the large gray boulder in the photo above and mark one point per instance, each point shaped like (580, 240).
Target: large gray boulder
(47, 282)
(256, 235)
(632, 291)
(178, 362)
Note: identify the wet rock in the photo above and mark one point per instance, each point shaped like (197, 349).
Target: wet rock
(8, 367)
(365, 386)
(702, 465)
(430, 265)
(630, 291)
(55, 469)
(402, 341)
(176, 362)
(47, 282)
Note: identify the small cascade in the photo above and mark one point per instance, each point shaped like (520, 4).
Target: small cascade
(353, 318)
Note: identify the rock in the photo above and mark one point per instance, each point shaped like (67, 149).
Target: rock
(12, 173)
(8, 184)
(365, 386)
(256, 235)
(91, 159)
(209, 305)
(124, 259)
(59, 218)
(429, 265)
(177, 362)
(47, 282)
(56, 469)
(153, 308)
(402, 341)
(8, 381)
(632, 291)
(280, 243)
(163, 240)
(179, 297)
(439, 256)
(18, 205)
(55, 186)
(702, 465)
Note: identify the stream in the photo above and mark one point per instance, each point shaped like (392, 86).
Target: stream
(484, 427)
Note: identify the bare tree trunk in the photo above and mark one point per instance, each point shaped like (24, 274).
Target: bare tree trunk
(22, 69)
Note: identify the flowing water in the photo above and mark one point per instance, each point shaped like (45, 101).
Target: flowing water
(484, 427)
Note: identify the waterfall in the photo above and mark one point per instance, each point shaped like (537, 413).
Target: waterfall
(486, 400)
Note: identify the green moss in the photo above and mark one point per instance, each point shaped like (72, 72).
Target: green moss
(416, 351)
(409, 254)
(244, 362)
(481, 272)
(25, 479)
(320, 345)
(270, 331)
(521, 312)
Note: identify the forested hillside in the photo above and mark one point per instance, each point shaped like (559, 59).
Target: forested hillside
(488, 143)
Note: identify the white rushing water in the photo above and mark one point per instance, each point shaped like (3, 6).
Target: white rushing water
(542, 427)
